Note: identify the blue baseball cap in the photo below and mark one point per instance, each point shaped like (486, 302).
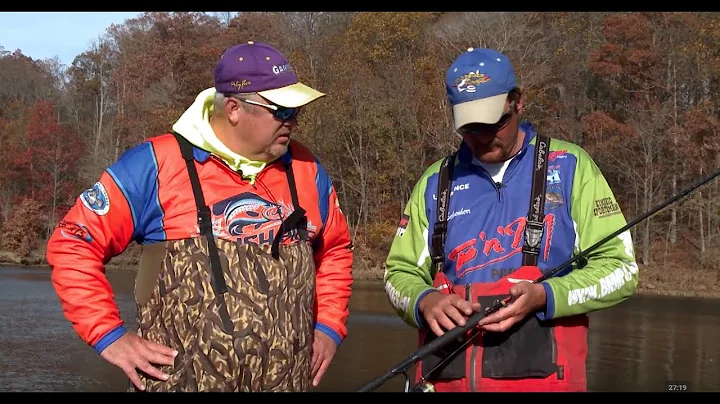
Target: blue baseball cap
(477, 84)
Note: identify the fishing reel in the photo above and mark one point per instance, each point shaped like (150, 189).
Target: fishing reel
(422, 387)
(425, 387)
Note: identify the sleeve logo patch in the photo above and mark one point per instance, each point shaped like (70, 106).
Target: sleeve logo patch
(77, 230)
(96, 199)
(605, 207)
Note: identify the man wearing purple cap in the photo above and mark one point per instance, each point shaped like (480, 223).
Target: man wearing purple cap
(485, 222)
(245, 274)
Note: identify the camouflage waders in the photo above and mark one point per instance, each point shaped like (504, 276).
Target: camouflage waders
(240, 315)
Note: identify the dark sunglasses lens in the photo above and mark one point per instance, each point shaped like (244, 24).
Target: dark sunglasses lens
(480, 128)
(286, 113)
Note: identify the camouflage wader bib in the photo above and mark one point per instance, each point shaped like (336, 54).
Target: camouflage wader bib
(240, 315)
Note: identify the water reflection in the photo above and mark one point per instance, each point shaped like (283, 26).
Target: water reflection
(657, 340)
(636, 346)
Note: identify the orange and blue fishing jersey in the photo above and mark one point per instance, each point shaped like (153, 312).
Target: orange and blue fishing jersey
(146, 197)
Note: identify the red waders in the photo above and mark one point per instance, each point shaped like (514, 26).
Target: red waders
(531, 356)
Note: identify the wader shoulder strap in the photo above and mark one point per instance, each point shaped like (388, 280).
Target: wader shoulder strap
(296, 220)
(443, 204)
(203, 216)
(534, 225)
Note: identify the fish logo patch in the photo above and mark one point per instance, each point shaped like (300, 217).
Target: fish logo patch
(96, 199)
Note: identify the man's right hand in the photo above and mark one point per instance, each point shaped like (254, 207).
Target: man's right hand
(131, 352)
(445, 310)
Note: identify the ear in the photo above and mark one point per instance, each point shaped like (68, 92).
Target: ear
(520, 101)
(233, 110)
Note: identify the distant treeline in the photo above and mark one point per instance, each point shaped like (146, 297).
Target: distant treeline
(639, 91)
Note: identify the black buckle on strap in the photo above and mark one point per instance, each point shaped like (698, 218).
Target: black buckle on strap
(438, 240)
(204, 221)
(533, 235)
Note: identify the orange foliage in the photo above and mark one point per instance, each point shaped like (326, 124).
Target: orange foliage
(637, 90)
(25, 227)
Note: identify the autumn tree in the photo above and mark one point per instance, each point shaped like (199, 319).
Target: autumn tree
(638, 91)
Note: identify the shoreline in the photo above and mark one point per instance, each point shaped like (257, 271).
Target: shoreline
(662, 287)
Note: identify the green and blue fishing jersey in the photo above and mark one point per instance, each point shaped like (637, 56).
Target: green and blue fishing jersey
(486, 221)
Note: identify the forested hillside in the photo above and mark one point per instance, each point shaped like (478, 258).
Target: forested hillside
(639, 91)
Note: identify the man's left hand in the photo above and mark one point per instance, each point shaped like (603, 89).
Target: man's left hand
(323, 350)
(526, 298)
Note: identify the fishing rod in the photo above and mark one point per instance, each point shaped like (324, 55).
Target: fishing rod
(472, 321)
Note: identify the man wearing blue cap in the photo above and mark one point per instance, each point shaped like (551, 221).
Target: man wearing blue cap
(245, 274)
(485, 222)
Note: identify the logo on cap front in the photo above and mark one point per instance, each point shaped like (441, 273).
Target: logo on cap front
(468, 81)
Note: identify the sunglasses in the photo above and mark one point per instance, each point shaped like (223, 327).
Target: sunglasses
(281, 113)
(480, 128)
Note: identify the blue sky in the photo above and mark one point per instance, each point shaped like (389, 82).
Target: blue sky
(43, 35)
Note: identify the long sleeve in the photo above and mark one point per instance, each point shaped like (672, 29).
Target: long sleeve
(408, 275)
(610, 275)
(101, 224)
(333, 260)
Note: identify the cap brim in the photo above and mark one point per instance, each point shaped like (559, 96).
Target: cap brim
(292, 96)
(484, 110)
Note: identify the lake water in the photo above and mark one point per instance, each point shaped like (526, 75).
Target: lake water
(639, 345)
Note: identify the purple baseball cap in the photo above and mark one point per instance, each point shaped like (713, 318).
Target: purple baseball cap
(256, 67)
